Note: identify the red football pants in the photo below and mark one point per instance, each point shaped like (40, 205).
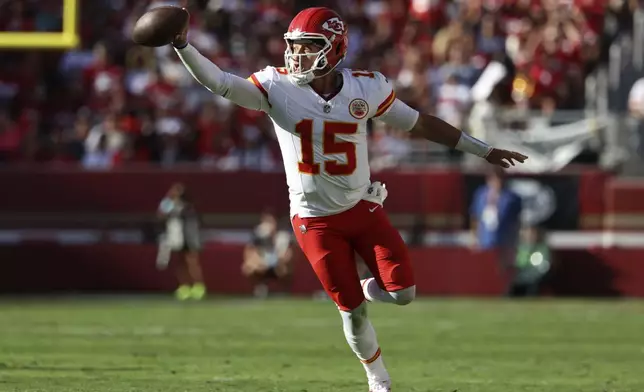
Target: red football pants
(330, 244)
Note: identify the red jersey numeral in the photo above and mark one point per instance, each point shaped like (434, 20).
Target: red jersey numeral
(365, 74)
(330, 145)
(307, 165)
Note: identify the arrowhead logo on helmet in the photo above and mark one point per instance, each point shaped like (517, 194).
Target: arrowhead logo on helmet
(334, 25)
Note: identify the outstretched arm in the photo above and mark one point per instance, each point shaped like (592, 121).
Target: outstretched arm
(237, 89)
(432, 128)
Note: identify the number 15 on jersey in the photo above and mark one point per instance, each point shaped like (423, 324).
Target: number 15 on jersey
(330, 145)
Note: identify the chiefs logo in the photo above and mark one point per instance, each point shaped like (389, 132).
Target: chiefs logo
(359, 108)
(334, 25)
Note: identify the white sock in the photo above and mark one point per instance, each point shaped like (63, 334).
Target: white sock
(362, 339)
(373, 292)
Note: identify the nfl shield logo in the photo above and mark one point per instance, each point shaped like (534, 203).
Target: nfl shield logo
(302, 229)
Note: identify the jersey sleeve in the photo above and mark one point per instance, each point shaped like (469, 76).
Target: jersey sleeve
(264, 80)
(384, 91)
(400, 115)
(391, 110)
(228, 85)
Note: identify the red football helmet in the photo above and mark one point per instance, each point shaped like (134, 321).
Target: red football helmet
(321, 25)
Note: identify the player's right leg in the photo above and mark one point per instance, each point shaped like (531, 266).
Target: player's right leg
(385, 253)
(332, 258)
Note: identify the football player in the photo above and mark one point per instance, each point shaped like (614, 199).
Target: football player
(320, 115)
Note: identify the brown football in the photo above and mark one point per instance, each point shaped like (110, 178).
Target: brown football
(159, 26)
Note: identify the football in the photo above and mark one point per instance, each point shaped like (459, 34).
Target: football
(159, 26)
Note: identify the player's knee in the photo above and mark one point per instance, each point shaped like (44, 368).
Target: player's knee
(404, 296)
(355, 320)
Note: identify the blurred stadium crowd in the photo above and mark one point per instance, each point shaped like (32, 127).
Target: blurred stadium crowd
(112, 103)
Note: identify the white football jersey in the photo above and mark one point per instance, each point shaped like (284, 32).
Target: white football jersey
(324, 141)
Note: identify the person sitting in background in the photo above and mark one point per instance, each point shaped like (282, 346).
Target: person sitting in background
(268, 256)
(115, 138)
(496, 219)
(533, 261)
(182, 236)
(453, 100)
(101, 158)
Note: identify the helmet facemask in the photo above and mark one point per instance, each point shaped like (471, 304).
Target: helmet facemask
(294, 61)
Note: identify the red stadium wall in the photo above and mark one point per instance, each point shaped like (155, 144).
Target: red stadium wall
(438, 196)
(624, 205)
(213, 192)
(439, 271)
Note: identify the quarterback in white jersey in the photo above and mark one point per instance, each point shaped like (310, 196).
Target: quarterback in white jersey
(324, 139)
(320, 115)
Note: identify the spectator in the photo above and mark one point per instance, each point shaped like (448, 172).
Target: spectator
(496, 219)
(101, 77)
(453, 101)
(182, 236)
(490, 41)
(213, 134)
(75, 138)
(115, 137)
(140, 72)
(388, 148)
(411, 76)
(173, 134)
(101, 157)
(269, 255)
(162, 93)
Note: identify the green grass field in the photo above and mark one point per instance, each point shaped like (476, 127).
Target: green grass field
(156, 344)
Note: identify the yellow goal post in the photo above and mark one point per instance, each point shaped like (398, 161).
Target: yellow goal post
(66, 39)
